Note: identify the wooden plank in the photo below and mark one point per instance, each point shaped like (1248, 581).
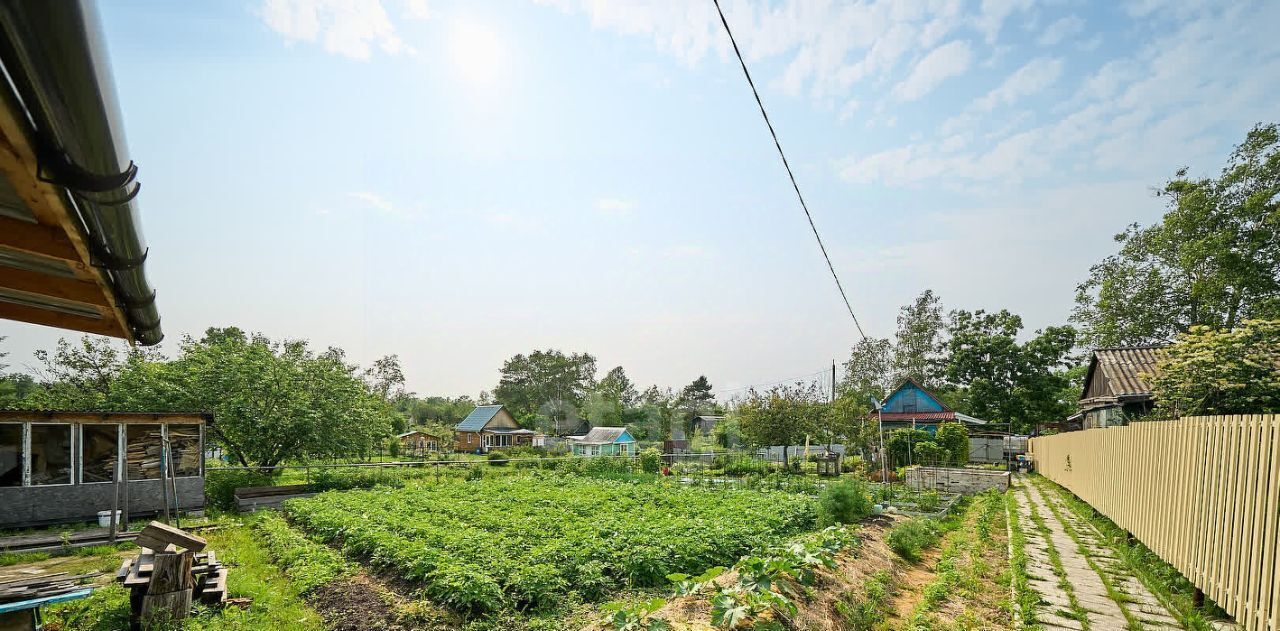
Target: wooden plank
(73, 289)
(267, 491)
(158, 532)
(38, 239)
(61, 320)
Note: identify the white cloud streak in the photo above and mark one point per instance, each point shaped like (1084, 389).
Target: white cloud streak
(351, 28)
(945, 61)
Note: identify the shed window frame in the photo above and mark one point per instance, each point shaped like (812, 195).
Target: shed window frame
(199, 450)
(80, 461)
(24, 468)
(72, 450)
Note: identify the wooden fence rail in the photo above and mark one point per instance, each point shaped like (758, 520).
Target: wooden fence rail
(1203, 493)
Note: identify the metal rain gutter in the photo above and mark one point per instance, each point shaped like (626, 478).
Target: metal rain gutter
(53, 54)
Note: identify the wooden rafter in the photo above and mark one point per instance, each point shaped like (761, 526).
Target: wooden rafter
(54, 236)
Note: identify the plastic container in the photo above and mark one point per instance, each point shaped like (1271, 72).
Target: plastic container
(104, 518)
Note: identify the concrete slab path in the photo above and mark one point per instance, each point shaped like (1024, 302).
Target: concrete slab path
(1093, 591)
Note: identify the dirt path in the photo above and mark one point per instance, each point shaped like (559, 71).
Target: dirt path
(1099, 593)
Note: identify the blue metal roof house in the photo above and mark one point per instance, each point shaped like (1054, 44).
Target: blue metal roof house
(605, 441)
(911, 405)
(488, 427)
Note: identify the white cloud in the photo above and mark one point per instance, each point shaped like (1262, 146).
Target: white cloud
(383, 205)
(947, 60)
(1060, 30)
(1167, 104)
(993, 14)
(1031, 78)
(345, 27)
(615, 207)
(417, 10)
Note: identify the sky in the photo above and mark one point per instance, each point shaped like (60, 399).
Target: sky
(458, 182)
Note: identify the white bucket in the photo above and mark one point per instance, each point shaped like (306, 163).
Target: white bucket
(104, 518)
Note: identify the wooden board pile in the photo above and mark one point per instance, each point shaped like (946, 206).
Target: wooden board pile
(172, 571)
(42, 586)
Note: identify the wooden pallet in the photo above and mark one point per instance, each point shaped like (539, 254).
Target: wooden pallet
(42, 586)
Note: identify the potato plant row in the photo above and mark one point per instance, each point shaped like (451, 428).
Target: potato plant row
(531, 542)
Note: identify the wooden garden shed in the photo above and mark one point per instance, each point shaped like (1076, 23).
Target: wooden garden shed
(66, 466)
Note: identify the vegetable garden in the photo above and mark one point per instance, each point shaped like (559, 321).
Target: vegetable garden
(534, 542)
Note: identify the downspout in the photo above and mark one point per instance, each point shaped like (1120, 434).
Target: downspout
(53, 54)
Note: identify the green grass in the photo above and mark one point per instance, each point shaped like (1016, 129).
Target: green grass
(869, 609)
(307, 564)
(1025, 598)
(913, 536)
(1077, 611)
(964, 575)
(277, 603)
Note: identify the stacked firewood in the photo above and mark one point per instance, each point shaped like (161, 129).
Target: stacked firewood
(172, 571)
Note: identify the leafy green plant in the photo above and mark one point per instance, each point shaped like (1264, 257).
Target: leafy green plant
(220, 485)
(911, 537)
(686, 585)
(486, 545)
(307, 563)
(345, 480)
(650, 460)
(636, 617)
(845, 502)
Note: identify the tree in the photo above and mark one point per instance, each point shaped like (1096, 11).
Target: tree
(1221, 372)
(900, 443)
(845, 420)
(618, 387)
(695, 400)
(547, 382)
(953, 438)
(1212, 260)
(385, 377)
(1000, 379)
(919, 336)
(783, 415)
(80, 376)
(869, 371)
(274, 401)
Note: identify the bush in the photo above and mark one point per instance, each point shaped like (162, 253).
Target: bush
(220, 486)
(843, 503)
(474, 473)
(745, 466)
(497, 458)
(650, 460)
(909, 538)
(345, 480)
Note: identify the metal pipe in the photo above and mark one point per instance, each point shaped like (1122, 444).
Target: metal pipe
(53, 54)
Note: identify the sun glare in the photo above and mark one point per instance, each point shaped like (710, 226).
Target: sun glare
(479, 54)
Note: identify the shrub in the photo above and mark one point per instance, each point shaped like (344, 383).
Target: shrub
(497, 458)
(474, 473)
(345, 480)
(746, 466)
(844, 503)
(909, 538)
(220, 486)
(650, 460)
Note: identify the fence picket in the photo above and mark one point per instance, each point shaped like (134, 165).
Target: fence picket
(1202, 493)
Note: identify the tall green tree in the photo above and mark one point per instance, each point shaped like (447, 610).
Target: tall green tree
(1212, 260)
(921, 327)
(696, 399)
(548, 382)
(1001, 380)
(869, 372)
(1221, 372)
(783, 415)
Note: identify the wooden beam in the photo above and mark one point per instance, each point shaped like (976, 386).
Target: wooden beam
(35, 315)
(72, 289)
(46, 202)
(34, 238)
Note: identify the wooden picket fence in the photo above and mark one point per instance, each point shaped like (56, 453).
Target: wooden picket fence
(1203, 493)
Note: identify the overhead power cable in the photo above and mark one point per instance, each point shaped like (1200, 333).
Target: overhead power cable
(787, 165)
